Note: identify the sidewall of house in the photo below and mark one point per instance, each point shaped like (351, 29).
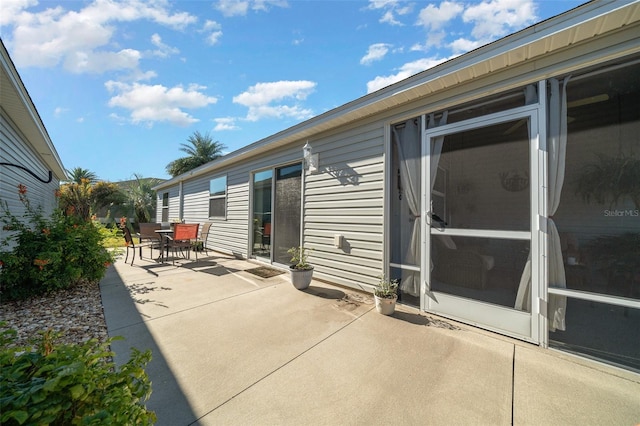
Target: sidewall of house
(15, 149)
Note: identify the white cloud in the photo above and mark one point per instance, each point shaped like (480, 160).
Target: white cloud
(152, 103)
(392, 8)
(435, 18)
(58, 111)
(264, 5)
(163, 50)
(496, 18)
(215, 31)
(407, 70)
(267, 99)
(99, 62)
(230, 8)
(463, 45)
(82, 40)
(376, 52)
(12, 8)
(225, 123)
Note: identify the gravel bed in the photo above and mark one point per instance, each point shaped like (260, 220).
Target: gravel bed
(76, 313)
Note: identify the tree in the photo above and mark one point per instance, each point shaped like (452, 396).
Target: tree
(201, 150)
(78, 173)
(142, 197)
(84, 198)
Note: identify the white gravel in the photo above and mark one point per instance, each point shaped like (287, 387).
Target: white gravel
(76, 313)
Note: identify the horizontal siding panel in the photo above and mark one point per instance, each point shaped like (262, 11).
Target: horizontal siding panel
(363, 257)
(365, 220)
(363, 202)
(346, 197)
(346, 263)
(350, 235)
(15, 150)
(369, 194)
(350, 243)
(333, 212)
(341, 191)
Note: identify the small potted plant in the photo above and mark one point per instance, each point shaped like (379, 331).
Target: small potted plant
(175, 220)
(386, 295)
(301, 271)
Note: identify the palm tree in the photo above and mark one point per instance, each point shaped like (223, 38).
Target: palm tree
(201, 150)
(142, 197)
(78, 173)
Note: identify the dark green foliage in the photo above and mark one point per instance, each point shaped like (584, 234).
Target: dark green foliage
(49, 253)
(201, 150)
(610, 180)
(71, 384)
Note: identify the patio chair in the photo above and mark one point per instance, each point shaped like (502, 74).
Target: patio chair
(204, 235)
(266, 235)
(131, 245)
(148, 233)
(184, 235)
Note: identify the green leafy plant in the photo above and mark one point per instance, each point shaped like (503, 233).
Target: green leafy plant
(610, 180)
(53, 384)
(299, 257)
(49, 253)
(386, 288)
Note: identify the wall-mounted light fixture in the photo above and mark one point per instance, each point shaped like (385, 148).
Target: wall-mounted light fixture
(310, 159)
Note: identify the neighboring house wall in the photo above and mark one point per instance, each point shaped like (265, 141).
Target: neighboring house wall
(14, 149)
(24, 142)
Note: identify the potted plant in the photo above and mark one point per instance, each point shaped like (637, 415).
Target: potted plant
(175, 220)
(386, 295)
(301, 271)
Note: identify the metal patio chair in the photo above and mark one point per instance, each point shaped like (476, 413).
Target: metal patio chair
(148, 233)
(184, 235)
(131, 244)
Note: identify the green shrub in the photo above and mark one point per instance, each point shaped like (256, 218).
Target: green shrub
(71, 384)
(49, 253)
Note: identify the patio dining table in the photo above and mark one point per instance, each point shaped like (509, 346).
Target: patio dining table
(163, 241)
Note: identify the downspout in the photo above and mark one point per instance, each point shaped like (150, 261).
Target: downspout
(181, 202)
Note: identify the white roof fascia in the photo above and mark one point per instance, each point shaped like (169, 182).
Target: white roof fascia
(579, 24)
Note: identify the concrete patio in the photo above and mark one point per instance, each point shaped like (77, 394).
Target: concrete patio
(231, 348)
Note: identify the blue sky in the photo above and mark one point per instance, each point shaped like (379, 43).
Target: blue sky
(121, 84)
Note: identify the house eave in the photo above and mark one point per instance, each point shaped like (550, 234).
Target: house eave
(17, 105)
(583, 23)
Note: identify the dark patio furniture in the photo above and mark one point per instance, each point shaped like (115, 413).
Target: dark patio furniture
(148, 233)
(184, 234)
(131, 244)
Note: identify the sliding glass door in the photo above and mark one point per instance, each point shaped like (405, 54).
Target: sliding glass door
(276, 212)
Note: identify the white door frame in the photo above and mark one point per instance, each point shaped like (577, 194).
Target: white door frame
(525, 326)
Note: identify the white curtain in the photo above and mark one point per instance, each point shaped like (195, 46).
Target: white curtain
(436, 145)
(409, 151)
(557, 147)
(408, 145)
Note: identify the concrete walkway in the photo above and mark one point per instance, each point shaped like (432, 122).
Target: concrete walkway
(231, 348)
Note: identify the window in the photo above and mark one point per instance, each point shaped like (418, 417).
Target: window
(218, 197)
(165, 207)
(598, 217)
